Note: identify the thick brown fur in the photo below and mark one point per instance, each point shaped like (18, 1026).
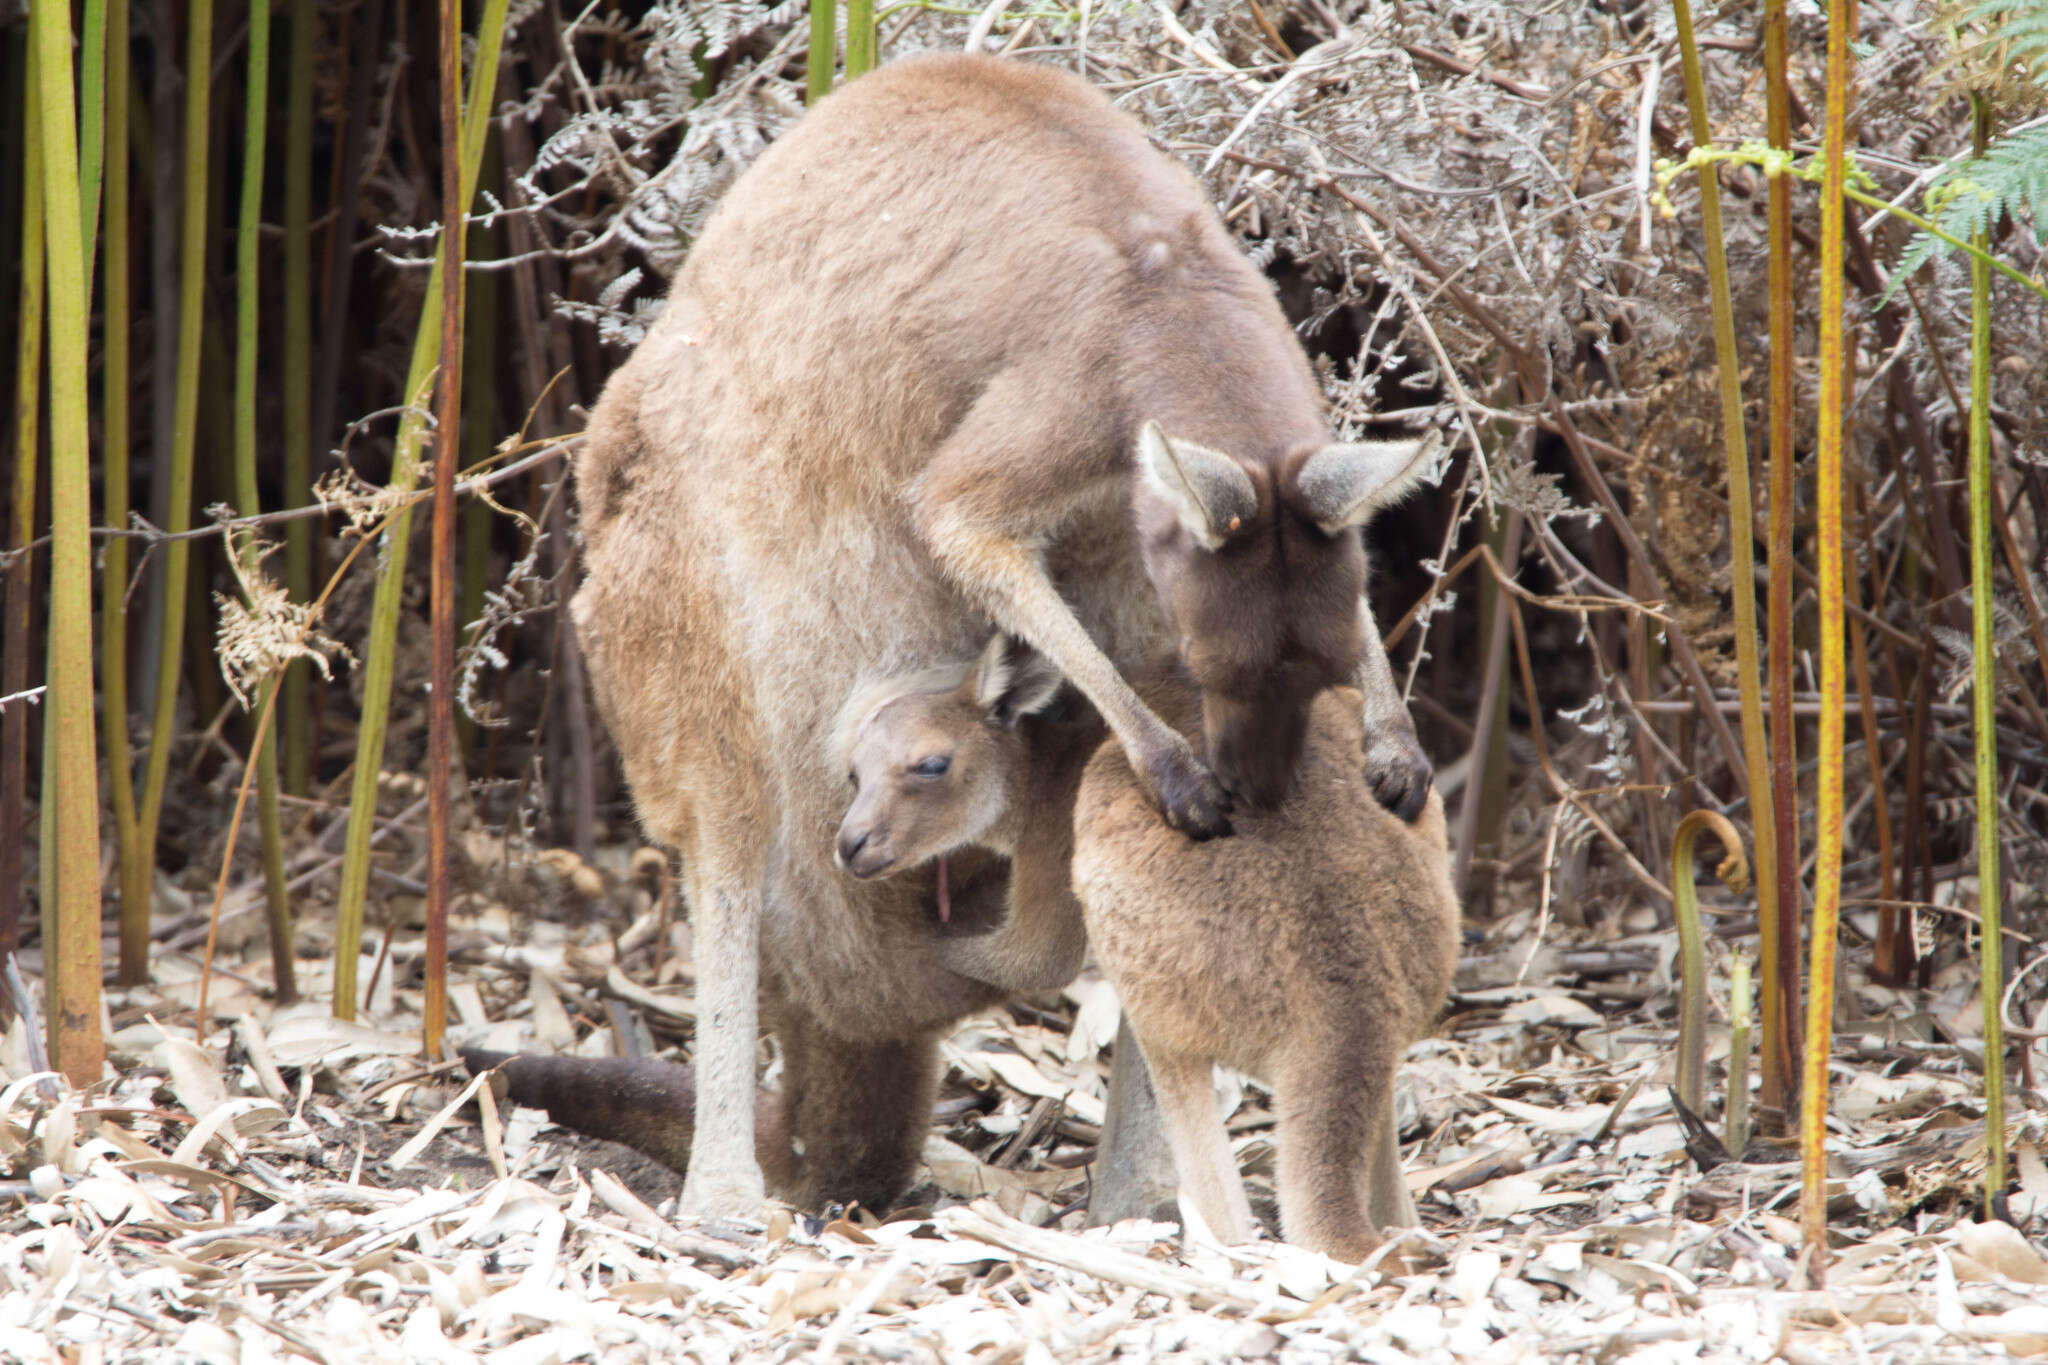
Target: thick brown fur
(898, 389)
(861, 1107)
(1308, 951)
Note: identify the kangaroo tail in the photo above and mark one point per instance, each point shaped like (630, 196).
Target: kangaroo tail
(648, 1105)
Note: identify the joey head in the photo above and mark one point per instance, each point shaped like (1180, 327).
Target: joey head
(936, 769)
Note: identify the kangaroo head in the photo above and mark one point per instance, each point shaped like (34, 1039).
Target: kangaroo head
(932, 770)
(1262, 568)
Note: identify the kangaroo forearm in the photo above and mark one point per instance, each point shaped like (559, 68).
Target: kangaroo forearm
(1013, 586)
(1384, 705)
(1040, 944)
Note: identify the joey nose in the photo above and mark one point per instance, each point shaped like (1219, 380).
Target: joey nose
(863, 855)
(851, 843)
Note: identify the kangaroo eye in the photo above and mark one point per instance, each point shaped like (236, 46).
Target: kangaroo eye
(853, 780)
(934, 766)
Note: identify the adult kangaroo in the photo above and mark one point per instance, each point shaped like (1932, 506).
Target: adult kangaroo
(960, 347)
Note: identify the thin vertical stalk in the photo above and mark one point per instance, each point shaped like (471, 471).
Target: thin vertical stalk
(1481, 810)
(480, 383)
(1756, 752)
(14, 646)
(824, 54)
(248, 498)
(1827, 868)
(72, 969)
(297, 356)
(1873, 749)
(1984, 699)
(92, 119)
(384, 607)
(116, 432)
(860, 37)
(1890, 957)
(1735, 1127)
(1778, 960)
(137, 872)
(441, 580)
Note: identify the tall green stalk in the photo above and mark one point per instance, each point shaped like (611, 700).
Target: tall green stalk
(297, 398)
(384, 607)
(92, 116)
(248, 498)
(1984, 698)
(14, 647)
(1756, 751)
(860, 38)
(72, 970)
(115, 434)
(1827, 868)
(136, 872)
(1778, 959)
(823, 57)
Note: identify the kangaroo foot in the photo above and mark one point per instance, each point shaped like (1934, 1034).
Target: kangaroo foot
(1397, 770)
(1185, 791)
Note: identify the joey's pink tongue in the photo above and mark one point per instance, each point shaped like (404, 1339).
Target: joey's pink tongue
(945, 901)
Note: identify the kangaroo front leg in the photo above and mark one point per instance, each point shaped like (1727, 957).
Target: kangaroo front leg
(1395, 766)
(983, 522)
(724, 1179)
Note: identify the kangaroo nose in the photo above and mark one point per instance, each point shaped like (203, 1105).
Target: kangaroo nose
(850, 845)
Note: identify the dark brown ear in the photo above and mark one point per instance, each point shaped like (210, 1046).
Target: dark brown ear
(1012, 680)
(1343, 485)
(1209, 491)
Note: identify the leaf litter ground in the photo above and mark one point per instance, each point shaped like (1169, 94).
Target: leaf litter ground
(304, 1188)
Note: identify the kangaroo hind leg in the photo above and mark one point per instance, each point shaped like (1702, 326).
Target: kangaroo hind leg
(1388, 1199)
(857, 1113)
(724, 1177)
(1335, 1119)
(1209, 1180)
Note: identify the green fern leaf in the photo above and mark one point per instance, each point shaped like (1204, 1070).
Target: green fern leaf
(2021, 23)
(1973, 194)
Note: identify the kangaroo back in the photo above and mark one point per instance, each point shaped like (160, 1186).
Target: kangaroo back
(1309, 950)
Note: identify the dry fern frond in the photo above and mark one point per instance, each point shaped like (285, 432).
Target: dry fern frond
(362, 504)
(264, 631)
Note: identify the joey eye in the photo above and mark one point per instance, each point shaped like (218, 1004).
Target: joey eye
(853, 780)
(935, 766)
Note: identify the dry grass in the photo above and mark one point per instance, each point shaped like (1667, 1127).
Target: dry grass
(305, 1188)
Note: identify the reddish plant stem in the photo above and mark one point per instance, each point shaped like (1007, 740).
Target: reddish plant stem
(441, 589)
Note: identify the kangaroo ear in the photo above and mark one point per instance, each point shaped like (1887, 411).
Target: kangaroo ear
(1013, 680)
(1209, 491)
(1343, 485)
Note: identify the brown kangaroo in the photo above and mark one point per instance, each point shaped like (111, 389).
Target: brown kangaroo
(961, 344)
(1308, 951)
(940, 760)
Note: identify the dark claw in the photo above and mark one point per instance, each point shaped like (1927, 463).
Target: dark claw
(1400, 780)
(1190, 798)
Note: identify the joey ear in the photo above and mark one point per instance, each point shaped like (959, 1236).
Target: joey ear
(1209, 491)
(1343, 485)
(1013, 680)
